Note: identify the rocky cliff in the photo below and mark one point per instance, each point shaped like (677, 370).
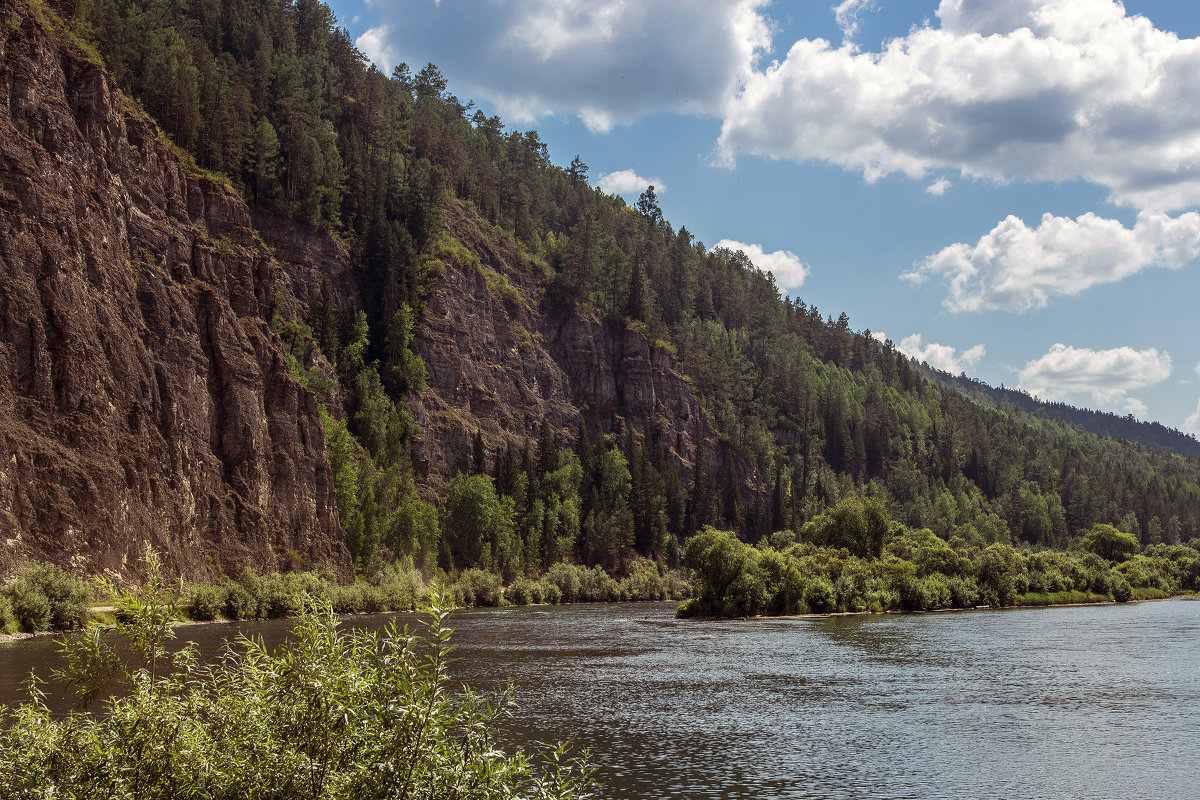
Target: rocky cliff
(142, 393)
(499, 360)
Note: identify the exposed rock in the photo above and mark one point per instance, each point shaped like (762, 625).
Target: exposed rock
(142, 394)
(309, 258)
(498, 364)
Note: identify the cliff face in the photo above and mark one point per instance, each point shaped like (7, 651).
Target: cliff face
(499, 361)
(142, 394)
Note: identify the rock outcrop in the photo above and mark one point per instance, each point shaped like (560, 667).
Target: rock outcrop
(499, 362)
(142, 393)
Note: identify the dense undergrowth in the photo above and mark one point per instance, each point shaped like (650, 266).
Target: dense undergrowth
(330, 714)
(916, 570)
(44, 597)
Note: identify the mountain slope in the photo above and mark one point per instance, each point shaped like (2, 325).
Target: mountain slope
(427, 296)
(1151, 434)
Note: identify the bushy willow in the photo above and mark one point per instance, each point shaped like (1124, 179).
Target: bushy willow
(329, 714)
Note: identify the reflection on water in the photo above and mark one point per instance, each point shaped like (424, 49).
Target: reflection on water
(1098, 702)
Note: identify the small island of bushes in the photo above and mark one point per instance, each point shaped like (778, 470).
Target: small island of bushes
(853, 558)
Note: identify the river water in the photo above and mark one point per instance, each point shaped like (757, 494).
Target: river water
(1091, 702)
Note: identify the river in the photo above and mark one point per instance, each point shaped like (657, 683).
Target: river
(1089, 702)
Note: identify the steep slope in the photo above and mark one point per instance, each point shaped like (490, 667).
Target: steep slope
(142, 394)
(436, 276)
(500, 361)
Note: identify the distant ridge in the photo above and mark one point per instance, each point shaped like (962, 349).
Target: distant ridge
(1104, 423)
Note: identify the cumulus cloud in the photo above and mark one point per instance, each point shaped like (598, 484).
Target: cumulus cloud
(1106, 376)
(788, 269)
(376, 44)
(627, 182)
(607, 61)
(1056, 90)
(846, 15)
(938, 187)
(941, 356)
(1017, 268)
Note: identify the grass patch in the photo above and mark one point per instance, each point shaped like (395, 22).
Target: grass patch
(1074, 596)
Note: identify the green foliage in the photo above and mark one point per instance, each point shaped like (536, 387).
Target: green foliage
(566, 578)
(329, 714)
(918, 571)
(478, 524)
(387, 587)
(8, 620)
(719, 561)
(44, 597)
(405, 370)
(1110, 543)
(858, 524)
(479, 587)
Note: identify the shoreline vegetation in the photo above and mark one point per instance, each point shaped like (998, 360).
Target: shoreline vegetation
(45, 599)
(329, 714)
(853, 559)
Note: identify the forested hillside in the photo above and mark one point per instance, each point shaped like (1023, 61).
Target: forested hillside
(1154, 434)
(796, 411)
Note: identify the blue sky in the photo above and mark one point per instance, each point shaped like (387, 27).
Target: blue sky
(1008, 189)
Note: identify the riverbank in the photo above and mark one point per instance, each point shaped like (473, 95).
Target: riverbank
(916, 570)
(1017, 607)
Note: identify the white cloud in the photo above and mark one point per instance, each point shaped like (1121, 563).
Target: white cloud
(846, 15)
(1017, 268)
(1055, 90)
(1192, 423)
(1106, 376)
(606, 61)
(628, 182)
(376, 44)
(1198, 369)
(787, 267)
(941, 356)
(938, 187)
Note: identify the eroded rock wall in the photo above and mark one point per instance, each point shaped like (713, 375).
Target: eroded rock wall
(499, 361)
(142, 393)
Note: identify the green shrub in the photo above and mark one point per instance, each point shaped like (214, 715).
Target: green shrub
(240, 602)
(689, 608)
(644, 582)
(964, 592)
(597, 586)
(566, 578)
(521, 593)
(30, 606)
(330, 714)
(8, 620)
(399, 595)
(480, 587)
(819, 596)
(46, 597)
(551, 593)
(349, 599)
(280, 598)
(205, 603)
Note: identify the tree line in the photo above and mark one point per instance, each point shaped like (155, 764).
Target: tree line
(810, 413)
